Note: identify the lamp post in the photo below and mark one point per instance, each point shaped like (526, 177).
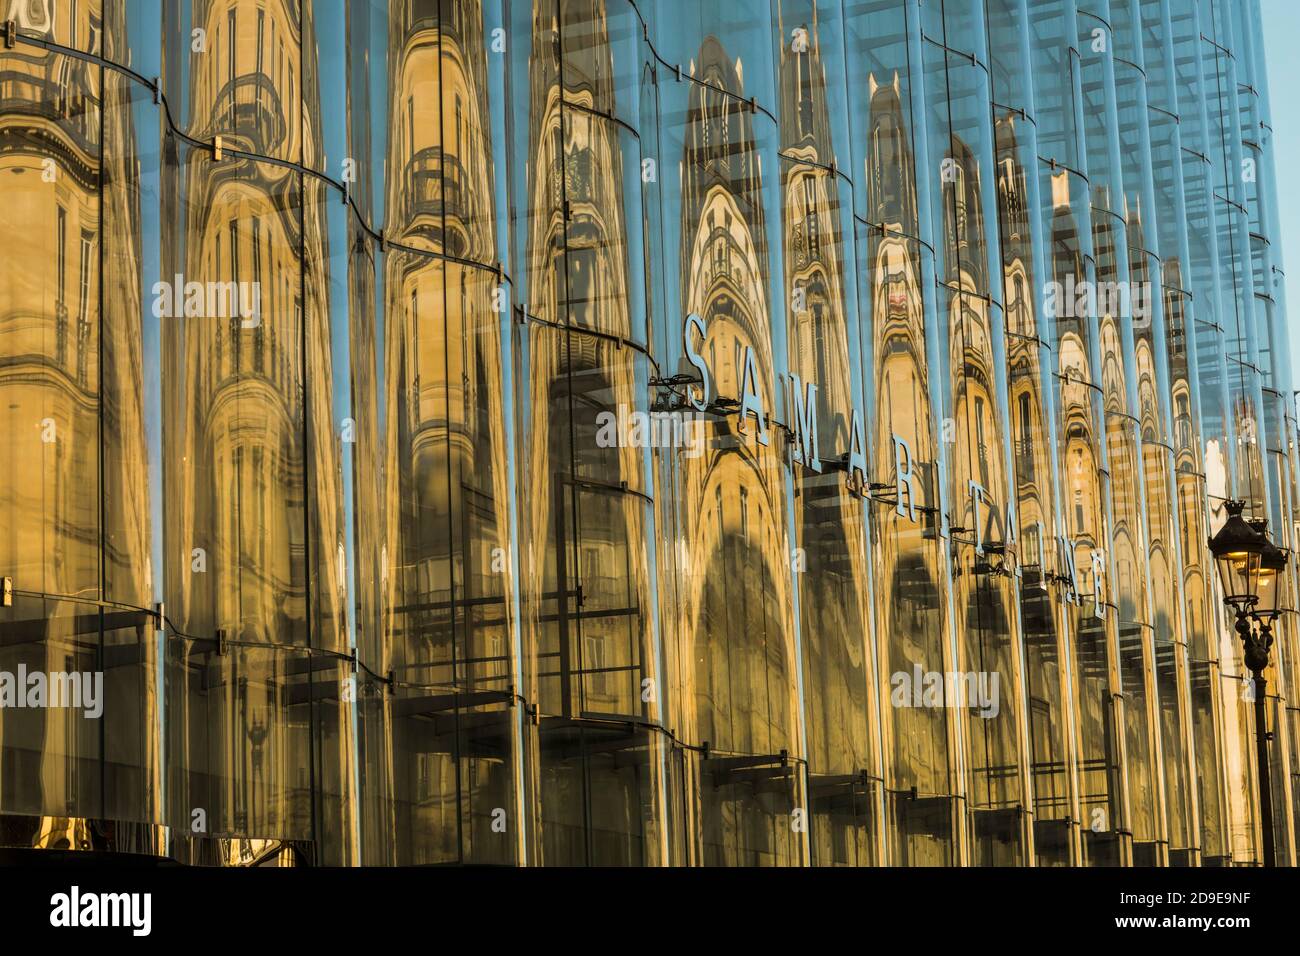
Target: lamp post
(1272, 565)
(1250, 569)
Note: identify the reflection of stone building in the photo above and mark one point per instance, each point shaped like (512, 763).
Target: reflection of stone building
(73, 483)
(1031, 420)
(979, 492)
(50, 316)
(415, 609)
(907, 561)
(445, 577)
(236, 469)
(735, 612)
(834, 626)
(1102, 794)
(584, 517)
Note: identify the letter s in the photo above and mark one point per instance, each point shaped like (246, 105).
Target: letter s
(693, 321)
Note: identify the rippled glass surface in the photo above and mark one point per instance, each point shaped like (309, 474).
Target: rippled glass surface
(639, 432)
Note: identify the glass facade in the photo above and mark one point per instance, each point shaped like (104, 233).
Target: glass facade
(638, 432)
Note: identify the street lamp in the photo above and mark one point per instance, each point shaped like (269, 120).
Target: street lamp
(1238, 549)
(1250, 569)
(1272, 567)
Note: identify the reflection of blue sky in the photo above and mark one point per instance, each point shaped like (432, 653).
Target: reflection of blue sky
(1281, 28)
(144, 41)
(330, 58)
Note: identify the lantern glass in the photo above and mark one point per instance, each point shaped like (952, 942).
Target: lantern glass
(1239, 573)
(1271, 572)
(1238, 550)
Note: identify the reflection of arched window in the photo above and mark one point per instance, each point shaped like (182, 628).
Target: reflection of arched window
(721, 260)
(257, 284)
(230, 54)
(804, 74)
(1184, 420)
(886, 170)
(1024, 442)
(61, 301)
(459, 122)
(957, 209)
(1012, 198)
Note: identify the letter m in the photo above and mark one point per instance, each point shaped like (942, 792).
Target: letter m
(65, 689)
(117, 908)
(1070, 568)
(222, 301)
(807, 450)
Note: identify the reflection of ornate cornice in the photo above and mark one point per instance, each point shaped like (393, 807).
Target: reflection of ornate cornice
(248, 179)
(39, 371)
(49, 142)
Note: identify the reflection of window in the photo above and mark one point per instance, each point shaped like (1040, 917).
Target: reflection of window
(1024, 449)
(557, 171)
(259, 507)
(820, 350)
(887, 169)
(1019, 308)
(218, 270)
(590, 571)
(811, 224)
(230, 53)
(70, 742)
(804, 93)
(459, 154)
(1032, 544)
(717, 505)
(583, 287)
(61, 305)
(578, 161)
(58, 477)
(959, 201)
(257, 286)
(83, 306)
(235, 536)
(426, 775)
(593, 660)
(234, 277)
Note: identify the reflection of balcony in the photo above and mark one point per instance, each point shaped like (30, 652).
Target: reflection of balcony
(60, 332)
(1024, 449)
(249, 106)
(69, 109)
(434, 186)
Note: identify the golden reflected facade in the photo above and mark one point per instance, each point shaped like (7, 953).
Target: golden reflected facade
(638, 432)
